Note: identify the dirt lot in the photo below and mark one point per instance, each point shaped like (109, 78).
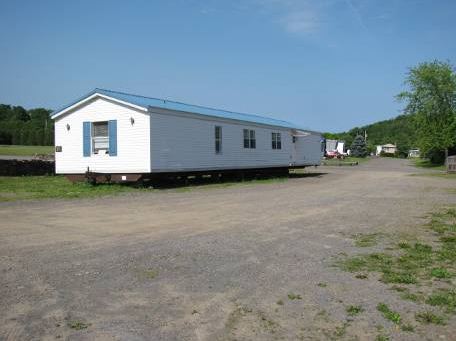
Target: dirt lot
(243, 262)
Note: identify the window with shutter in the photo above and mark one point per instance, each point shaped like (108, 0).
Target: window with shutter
(100, 137)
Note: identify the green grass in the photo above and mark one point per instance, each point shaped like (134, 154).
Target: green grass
(43, 187)
(78, 325)
(428, 317)
(292, 296)
(25, 150)
(410, 297)
(361, 276)
(412, 263)
(425, 163)
(348, 161)
(268, 181)
(150, 273)
(441, 273)
(354, 310)
(430, 268)
(445, 298)
(408, 328)
(441, 175)
(366, 240)
(389, 314)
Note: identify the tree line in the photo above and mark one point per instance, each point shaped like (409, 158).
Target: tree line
(429, 119)
(399, 131)
(26, 127)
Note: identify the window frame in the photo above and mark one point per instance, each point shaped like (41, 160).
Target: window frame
(276, 140)
(249, 138)
(218, 139)
(96, 150)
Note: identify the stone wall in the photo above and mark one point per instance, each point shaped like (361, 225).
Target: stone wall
(26, 167)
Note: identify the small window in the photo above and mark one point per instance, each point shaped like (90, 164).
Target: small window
(276, 141)
(218, 139)
(249, 139)
(100, 137)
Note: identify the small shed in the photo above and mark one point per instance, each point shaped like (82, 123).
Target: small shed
(451, 164)
(386, 149)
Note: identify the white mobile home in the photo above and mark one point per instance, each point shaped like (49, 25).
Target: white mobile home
(128, 135)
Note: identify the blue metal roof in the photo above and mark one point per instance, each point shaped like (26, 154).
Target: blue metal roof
(147, 102)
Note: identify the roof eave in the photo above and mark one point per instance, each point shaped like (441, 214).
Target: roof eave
(88, 97)
(151, 107)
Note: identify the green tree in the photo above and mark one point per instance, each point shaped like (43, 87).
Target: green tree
(431, 99)
(358, 147)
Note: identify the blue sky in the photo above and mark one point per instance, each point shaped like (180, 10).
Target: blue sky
(328, 65)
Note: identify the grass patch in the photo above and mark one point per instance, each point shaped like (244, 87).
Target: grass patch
(445, 298)
(25, 150)
(405, 268)
(279, 302)
(354, 310)
(43, 187)
(441, 273)
(408, 328)
(361, 276)
(442, 175)
(147, 273)
(425, 163)
(78, 325)
(389, 314)
(410, 297)
(399, 289)
(382, 337)
(403, 245)
(340, 331)
(366, 240)
(322, 285)
(292, 296)
(417, 263)
(348, 161)
(13, 188)
(429, 317)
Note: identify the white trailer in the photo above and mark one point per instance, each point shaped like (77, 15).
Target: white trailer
(129, 136)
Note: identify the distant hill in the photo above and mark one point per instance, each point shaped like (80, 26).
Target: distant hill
(399, 131)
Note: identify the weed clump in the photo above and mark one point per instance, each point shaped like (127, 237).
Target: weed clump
(389, 314)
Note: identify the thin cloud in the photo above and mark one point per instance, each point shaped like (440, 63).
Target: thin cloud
(302, 22)
(357, 15)
(295, 16)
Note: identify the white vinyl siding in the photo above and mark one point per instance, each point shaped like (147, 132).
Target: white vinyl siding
(133, 153)
(190, 146)
(308, 149)
(171, 141)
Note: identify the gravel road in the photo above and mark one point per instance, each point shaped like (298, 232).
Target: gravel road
(212, 264)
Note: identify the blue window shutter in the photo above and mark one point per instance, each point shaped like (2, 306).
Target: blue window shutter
(86, 137)
(112, 131)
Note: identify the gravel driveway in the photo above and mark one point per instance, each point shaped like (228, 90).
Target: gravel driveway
(243, 262)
